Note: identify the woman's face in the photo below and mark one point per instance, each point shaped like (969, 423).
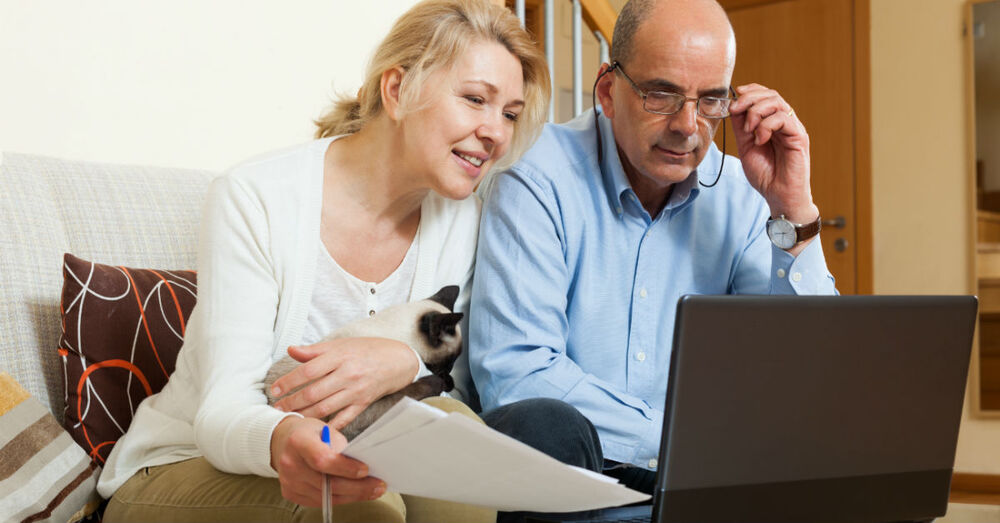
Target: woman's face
(465, 118)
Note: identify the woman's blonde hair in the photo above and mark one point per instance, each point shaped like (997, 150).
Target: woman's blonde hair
(430, 36)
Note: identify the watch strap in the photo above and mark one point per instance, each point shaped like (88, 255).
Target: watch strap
(807, 230)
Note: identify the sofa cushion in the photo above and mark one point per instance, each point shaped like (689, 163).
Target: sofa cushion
(44, 476)
(122, 329)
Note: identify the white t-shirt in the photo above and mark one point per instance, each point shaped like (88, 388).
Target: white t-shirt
(340, 298)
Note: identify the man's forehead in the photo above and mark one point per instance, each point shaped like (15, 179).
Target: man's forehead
(692, 30)
(688, 63)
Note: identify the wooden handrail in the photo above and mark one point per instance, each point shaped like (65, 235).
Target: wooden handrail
(599, 16)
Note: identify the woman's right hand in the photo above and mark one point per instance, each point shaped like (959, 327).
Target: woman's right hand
(301, 458)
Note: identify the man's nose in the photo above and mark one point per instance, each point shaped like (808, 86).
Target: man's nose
(685, 121)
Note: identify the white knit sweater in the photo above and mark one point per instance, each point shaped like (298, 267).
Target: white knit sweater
(256, 271)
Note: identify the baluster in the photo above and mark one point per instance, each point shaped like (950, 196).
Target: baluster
(550, 53)
(605, 58)
(577, 58)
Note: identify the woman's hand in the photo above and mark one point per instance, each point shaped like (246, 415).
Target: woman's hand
(301, 459)
(345, 375)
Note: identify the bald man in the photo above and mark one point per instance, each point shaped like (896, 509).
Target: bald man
(588, 242)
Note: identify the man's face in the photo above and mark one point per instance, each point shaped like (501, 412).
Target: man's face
(658, 151)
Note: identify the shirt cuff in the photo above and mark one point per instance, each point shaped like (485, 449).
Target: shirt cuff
(421, 368)
(805, 274)
(649, 447)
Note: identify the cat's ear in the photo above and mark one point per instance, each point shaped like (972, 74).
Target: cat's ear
(446, 296)
(436, 324)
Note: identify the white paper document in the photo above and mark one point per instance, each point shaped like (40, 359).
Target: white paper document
(420, 450)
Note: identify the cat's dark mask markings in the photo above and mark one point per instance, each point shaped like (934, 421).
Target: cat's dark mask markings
(436, 325)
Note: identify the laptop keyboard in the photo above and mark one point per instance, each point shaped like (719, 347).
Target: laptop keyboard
(635, 519)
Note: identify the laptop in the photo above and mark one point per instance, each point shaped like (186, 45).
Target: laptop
(808, 409)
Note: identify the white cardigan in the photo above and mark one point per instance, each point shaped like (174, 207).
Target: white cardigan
(256, 271)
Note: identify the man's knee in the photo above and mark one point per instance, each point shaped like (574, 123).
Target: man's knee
(551, 426)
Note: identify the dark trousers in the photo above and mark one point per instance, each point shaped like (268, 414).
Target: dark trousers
(553, 427)
(559, 430)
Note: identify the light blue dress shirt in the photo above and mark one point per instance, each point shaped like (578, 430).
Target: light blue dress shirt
(576, 285)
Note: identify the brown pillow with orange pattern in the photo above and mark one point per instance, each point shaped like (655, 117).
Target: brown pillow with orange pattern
(122, 330)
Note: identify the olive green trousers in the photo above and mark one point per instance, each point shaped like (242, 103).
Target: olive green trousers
(195, 491)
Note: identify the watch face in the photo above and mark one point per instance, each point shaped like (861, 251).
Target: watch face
(782, 233)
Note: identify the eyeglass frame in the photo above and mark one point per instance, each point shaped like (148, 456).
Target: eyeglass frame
(644, 94)
(600, 146)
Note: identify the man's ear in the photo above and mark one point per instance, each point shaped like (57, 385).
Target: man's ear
(392, 79)
(604, 83)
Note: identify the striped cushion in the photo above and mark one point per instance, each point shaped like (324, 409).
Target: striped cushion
(44, 474)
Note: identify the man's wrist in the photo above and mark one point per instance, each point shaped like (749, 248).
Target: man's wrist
(800, 215)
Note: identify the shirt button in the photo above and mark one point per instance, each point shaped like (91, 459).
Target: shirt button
(642, 292)
(641, 356)
(781, 273)
(797, 276)
(652, 463)
(372, 290)
(371, 312)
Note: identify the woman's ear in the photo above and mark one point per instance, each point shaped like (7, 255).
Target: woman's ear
(392, 79)
(604, 82)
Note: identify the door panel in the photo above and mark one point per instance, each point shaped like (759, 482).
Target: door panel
(805, 50)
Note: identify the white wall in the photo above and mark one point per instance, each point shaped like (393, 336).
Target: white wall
(190, 83)
(922, 201)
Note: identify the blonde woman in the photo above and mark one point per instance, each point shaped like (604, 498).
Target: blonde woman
(375, 212)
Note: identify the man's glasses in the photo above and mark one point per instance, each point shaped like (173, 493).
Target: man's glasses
(662, 102)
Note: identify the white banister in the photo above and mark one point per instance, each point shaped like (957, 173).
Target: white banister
(519, 10)
(577, 58)
(550, 53)
(605, 57)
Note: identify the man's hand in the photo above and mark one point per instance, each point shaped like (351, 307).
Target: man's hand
(774, 149)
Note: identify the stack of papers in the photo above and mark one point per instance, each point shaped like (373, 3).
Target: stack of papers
(423, 451)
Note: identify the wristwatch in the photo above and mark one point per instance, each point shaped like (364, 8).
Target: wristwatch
(785, 234)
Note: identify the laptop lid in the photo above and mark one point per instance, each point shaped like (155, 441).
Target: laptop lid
(810, 408)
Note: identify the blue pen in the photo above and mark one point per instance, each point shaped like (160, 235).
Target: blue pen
(327, 509)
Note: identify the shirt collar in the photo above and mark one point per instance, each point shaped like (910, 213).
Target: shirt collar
(616, 184)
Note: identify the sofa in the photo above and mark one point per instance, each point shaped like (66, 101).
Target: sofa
(118, 215)
(130, 216)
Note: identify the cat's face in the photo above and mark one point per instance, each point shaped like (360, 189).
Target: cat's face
(442, 339)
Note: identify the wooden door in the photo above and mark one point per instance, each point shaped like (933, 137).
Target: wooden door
(806, 50)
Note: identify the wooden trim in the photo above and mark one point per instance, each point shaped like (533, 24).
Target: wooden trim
(864, 251)
(739, 4)
(978, 489)
(982, 483)
(599, 16)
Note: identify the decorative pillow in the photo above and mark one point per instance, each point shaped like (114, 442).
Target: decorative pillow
(122, 329)
(44, 476)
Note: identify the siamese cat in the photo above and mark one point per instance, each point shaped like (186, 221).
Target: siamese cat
(429, 326)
